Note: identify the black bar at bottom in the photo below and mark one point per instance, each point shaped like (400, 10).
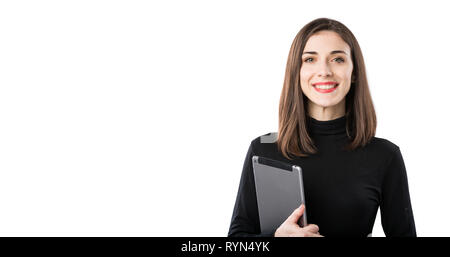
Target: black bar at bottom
(219, 246)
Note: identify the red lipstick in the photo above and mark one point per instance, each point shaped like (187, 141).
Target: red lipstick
(325, 83)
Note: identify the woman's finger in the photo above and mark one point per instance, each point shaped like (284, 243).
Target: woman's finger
(313, 228)
(296, 214)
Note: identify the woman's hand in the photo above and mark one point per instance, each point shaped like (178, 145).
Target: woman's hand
(291, 228)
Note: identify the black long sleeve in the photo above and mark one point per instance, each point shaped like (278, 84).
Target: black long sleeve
(396, 213)
(343, 189)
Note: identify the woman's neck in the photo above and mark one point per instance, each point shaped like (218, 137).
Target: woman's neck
(321, 113)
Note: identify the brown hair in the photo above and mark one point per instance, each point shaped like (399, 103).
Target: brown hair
(293, 137)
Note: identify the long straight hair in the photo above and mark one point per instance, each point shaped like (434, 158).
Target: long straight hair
(293, 138)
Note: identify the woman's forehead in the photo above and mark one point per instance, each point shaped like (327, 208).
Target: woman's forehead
(326, 42)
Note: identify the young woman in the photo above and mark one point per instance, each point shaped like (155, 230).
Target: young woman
(327, 125)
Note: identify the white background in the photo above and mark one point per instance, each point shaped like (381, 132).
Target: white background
(133, 118)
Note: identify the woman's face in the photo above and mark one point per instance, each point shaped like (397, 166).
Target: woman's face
(326, 58)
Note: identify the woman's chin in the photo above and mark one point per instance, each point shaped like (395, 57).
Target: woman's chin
(325, 103)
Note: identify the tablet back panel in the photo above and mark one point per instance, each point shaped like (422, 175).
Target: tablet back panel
(279, 191)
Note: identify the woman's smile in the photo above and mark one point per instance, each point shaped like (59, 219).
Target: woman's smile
(325, 87)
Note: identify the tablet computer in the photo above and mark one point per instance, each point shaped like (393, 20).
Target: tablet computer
(279, 191)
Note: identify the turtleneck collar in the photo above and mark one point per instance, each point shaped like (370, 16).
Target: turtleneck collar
(328, 127)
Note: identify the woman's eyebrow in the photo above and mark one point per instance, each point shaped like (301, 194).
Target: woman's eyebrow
(332, 52)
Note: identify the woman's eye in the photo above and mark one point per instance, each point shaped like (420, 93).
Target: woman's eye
(306, 60)
(339, 59)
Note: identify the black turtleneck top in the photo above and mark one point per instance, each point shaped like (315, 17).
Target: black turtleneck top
(343, 189)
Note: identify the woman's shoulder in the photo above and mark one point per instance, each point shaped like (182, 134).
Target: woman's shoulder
(383, 145)
(265, 142)
(268, 138)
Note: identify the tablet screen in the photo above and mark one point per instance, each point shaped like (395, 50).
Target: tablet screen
(279, 191)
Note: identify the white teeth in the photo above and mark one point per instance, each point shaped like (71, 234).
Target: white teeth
(325, 86)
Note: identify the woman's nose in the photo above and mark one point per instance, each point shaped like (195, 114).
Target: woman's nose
(324, 71)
